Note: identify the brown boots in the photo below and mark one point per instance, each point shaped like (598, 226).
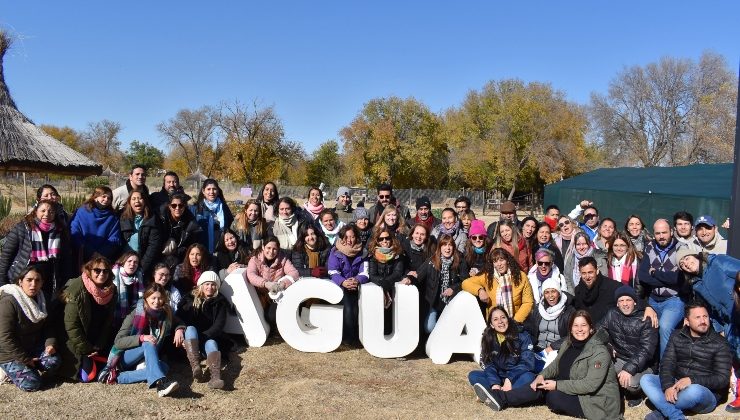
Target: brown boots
(193, 352)
(213, 360)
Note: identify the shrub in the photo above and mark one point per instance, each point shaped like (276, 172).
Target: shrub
(5, 205)
(72, 202)
(95, 181)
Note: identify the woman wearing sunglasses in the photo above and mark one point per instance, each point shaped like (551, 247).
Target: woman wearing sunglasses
(543, 270)
(179, 229)
(563, 236)
(89, 302)
(476, 247)
(386, 264)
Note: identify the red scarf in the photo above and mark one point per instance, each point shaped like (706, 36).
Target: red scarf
(429, 223)
(629, 270)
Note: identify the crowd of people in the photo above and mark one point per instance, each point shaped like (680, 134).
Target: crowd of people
(581, 315)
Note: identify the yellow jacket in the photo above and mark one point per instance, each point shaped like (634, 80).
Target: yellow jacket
(522, 294)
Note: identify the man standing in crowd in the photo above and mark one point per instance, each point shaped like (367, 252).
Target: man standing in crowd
(508, 212)
(343, 206)
(170, 185)
(590, 223)
(659, 274)
(707, 238)
(136, 180)
(694, 371)
(552, 215)
(634, 340)
(683, 223)
(385, 197)
(595, 293)
(424, 214)
(461, 204)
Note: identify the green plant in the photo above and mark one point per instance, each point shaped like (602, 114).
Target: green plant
(71, 202)
(5, 205)
(95, 181)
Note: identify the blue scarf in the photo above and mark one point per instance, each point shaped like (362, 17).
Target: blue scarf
(480, 250)
(133, 241)
(215, 214)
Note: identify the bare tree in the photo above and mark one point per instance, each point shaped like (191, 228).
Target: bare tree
(103, 142)
(193, 132)
(255, 140)
(673, 112)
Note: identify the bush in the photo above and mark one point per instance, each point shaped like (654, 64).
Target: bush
(72, 202)
(95, 181)
(5, 204)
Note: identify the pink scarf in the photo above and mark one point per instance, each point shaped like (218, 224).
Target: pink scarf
(102, 296)
(314, 210)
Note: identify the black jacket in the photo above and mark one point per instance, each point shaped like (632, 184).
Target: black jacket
(597, 300)
(632, 339)
(184, 232)
(429, 281)
(706, 361)
(150, 241)
(387, 274)
(209, 320)
(413, 258)
(532, 324)
(300, 261)
(16, 255)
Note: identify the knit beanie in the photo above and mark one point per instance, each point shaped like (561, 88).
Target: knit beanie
(209, 276)
(423, 201)
(625, 291)
(360, 213)
(343, 191)
(477, 227)
(551, 283)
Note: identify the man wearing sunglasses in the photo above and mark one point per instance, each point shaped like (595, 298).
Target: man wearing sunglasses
(385, 197)
(170, 185)
(590, 223)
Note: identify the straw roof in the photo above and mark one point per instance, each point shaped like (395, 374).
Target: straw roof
(26, 148)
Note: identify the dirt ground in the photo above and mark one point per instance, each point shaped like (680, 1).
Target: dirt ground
(276, 381)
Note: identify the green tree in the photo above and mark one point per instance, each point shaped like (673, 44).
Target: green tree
(396, 140)
(324, 165)
(512, 135)
(144, 154)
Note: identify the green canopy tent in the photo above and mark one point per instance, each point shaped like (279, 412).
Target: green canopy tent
(651, 193)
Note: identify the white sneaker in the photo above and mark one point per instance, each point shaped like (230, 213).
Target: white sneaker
(4, 377)
(166, 388)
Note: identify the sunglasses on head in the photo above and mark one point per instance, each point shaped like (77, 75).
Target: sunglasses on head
(177, 206)
(544, 263)
(101, 270)
(477, 237)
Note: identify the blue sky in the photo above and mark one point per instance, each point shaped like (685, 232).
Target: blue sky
(318, 62)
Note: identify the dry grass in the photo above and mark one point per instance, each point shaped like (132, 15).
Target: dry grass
(276, 381)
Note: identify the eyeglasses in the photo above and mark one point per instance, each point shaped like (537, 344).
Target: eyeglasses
(477, 237)
(384, 238)
(384, 196)
(563, 223)
(544, 263)
(177, 206)
(97, 271)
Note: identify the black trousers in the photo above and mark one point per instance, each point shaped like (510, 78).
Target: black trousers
(556, 401)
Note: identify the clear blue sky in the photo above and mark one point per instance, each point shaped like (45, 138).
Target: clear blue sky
(318, 62)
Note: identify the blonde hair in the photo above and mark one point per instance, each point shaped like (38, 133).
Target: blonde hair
(199, 297)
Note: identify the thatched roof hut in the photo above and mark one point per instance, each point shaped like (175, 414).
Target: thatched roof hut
(25, 147)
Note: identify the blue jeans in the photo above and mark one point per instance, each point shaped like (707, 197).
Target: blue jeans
(28, 378)
(487, 380)
(670, 313)
(431, 321)
(192, 334)
(694, 398)
(155, 368)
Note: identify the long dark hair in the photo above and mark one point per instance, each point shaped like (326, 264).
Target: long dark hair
(202, 196)
(187, 268)
(495, 255)
(300, 244)
(509, 347)
(242, 253)
(437, 257)
(128, 211)
(470, 256)
(428, 243)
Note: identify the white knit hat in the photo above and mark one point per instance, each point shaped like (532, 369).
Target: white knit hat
(209, 276)
(551, 283)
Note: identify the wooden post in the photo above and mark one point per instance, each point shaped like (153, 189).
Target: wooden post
(25, 193)
(733, 247)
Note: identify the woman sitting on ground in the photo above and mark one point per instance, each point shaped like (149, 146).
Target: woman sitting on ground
(311, 252)
(502, 283)
(142, 334)
(89, 305)
(129, 282)
(439, 280)
(187, 273)
(548, 322)
(230, 254)
(580, 382)
(204, 312)
(27, 346)
(506, 355)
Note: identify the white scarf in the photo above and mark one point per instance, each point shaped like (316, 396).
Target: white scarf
(552, 313)
(34, 309)
(618, 266)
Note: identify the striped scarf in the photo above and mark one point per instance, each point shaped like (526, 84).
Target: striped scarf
(41, 251)
(504, 295)
(121, 279)
(156, 323)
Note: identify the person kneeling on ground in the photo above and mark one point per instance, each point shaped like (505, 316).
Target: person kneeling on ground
(694, 370)
(142, 334)
(580, 382)
(26, 347)
(506, 355)
(204, 312)
(635, 342)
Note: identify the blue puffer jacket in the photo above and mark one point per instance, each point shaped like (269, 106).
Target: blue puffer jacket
(512, 367)
(341, 267)
(716, 285)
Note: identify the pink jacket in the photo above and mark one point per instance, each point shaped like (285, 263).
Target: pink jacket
(258, 273)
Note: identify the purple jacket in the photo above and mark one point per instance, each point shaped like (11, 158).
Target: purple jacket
(341, 268)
